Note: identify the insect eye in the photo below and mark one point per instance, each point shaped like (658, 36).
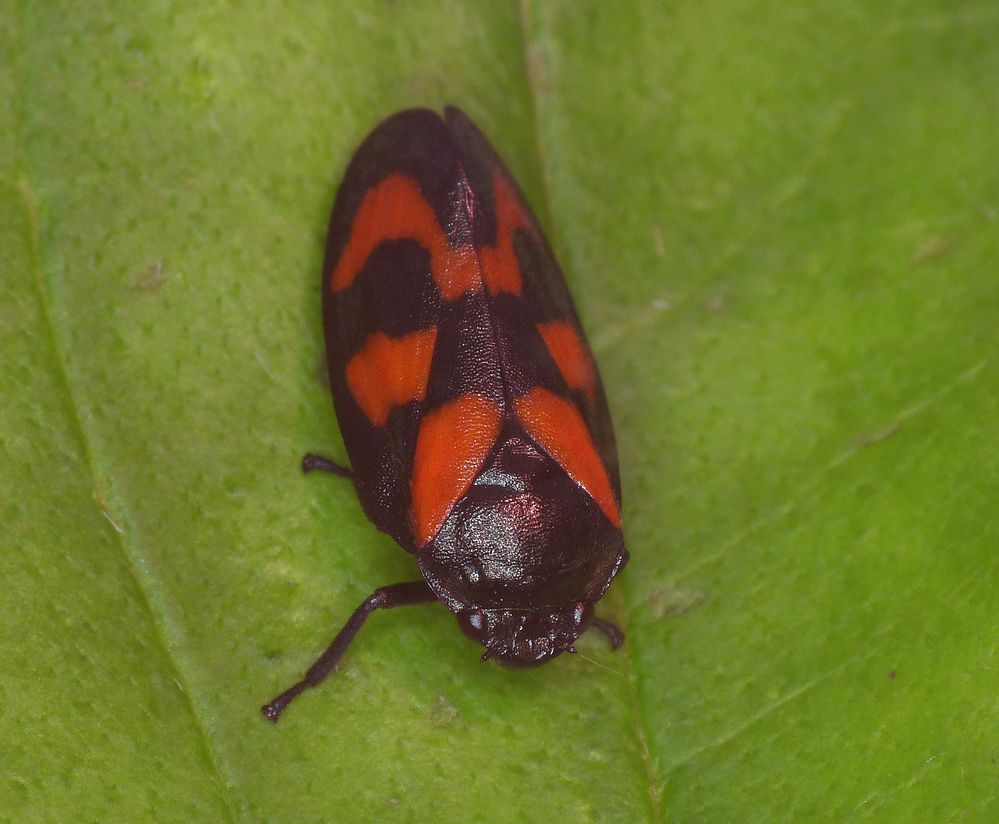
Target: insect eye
(474, 623)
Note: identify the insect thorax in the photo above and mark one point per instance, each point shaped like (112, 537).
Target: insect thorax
(524, 536)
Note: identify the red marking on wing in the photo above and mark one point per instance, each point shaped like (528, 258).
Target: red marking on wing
(557, 426)
(458, 273)
(570, 356)
(500, 266)
(395, 209)
(453, 443)
(389, 372)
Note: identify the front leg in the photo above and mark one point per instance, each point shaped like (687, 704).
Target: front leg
(394, 595)
(613, 632)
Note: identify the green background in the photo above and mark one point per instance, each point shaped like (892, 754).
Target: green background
(781, 224)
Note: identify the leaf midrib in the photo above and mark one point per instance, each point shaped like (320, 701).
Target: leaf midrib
(533, 63)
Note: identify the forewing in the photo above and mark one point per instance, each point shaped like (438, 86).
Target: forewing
(380, 304)
(549, 370)
(413, 364)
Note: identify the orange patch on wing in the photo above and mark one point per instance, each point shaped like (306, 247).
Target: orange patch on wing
(570, 356)
(557, 426)
(389, 372)
(458, 273)
(395, 209)
(454, 441)
(500, 267)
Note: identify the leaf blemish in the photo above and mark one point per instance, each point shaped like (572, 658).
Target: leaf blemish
(878, 435)
(930, 248)
(443, 713)
(153, 278)
(670, 602)
(658, 244)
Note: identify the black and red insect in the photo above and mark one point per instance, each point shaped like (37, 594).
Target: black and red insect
(473, 414)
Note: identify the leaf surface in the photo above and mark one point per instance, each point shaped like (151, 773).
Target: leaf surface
(780, 227)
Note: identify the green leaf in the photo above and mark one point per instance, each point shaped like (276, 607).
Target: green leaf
(780, 223)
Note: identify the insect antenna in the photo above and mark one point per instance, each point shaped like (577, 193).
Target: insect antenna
(586, 658)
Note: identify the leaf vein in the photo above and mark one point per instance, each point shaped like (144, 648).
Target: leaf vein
(534, 69)
(133, 562)
(813, 484)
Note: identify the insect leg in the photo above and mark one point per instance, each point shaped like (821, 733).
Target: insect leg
(312, 462)
(394, 595)
(613, 632)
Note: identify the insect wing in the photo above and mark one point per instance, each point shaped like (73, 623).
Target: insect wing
(413, 366)
(549, 371)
